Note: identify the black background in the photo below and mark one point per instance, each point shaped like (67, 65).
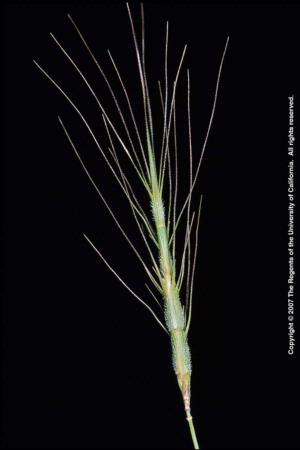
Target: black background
(84, 365)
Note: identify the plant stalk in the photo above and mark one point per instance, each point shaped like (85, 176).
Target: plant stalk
(193, 432)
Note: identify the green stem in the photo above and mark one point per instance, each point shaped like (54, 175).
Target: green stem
(193, 432)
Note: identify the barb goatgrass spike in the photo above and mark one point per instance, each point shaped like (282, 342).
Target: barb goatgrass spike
(160, 222)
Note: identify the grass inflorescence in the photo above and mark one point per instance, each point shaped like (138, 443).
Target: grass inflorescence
(154, 162)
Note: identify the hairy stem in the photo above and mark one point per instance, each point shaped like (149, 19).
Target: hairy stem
(174, 313)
